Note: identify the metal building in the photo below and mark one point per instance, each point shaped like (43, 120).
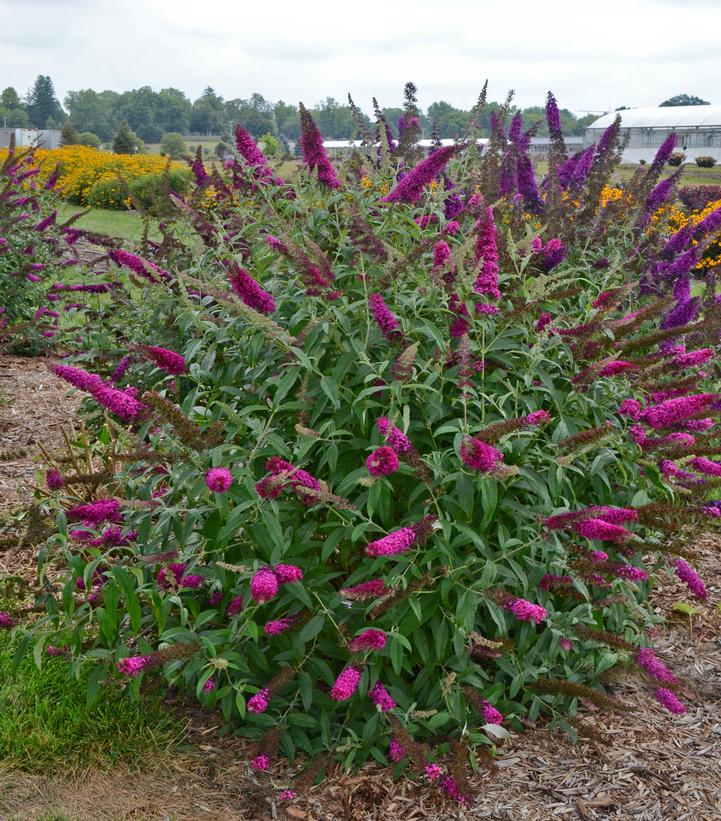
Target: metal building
(25, 137)
(697, 127)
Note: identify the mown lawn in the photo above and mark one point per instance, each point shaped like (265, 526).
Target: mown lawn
(45, 725)
(124, 224)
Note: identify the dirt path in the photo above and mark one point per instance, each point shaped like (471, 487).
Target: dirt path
(34, 408)
(646, 765)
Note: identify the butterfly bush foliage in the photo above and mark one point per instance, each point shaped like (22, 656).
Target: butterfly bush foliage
(390, 499)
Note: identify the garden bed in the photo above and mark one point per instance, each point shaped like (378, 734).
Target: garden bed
(641, 765)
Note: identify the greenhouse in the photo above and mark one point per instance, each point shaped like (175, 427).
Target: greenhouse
(698, 128)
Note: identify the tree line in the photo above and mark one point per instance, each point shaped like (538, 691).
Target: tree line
(151, 114)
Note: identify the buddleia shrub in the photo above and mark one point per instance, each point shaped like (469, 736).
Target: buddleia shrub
(413, 476)
(29, 256)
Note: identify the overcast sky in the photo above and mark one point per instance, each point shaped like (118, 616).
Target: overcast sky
(594, 55)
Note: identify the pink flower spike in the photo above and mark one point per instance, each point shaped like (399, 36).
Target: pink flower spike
(260, 762)
(133, 665)
(595, 528)
(6, 621)
(526, 611)
(234, 607)
(382, 462)
(287, 795)
(365, 590)
(490, 714)
(395, 751)
(218, 479)
(691, 578)
(287, 573)
(263, 585)
(668, 699)
(479, 455)
(433, 771)
(399, 541)
(259, 702)
(346, 684)
(370, 639)
(647, 659)
(381, 697)
(169, 361)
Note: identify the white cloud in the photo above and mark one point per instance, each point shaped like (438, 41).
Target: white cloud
(621, 52)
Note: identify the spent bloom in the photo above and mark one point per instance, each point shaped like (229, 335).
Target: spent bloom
(346, 684)
(218, 479)
(382, 462)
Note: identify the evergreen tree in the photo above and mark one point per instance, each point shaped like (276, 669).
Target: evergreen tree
(69, 134)
(42, 104)
(124, 139)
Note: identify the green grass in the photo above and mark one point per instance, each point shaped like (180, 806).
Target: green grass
(125, 224)
(45, 725)
(692, 174)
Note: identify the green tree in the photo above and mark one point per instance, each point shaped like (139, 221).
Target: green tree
(42, 104)
(270, 145)
(94, 111)
(684, 99)
(88, 138)
(173, 110)
(10, 99)
(14, 118)
(124, 141)
(208, 114)
(173, 145)
(69, 134)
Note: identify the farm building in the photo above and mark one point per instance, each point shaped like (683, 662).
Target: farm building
(698, 128)
(49, 138)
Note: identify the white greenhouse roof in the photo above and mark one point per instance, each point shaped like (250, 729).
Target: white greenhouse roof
(681, 116)
(359, 143)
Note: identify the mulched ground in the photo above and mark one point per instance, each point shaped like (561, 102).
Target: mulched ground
(646, 764)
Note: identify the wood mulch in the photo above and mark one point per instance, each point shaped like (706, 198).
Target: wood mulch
(645, 765)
